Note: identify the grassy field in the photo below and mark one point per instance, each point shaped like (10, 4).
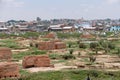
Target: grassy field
(74, 50)
(70, 75)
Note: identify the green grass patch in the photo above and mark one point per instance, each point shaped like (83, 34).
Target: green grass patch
(72, 75)
(10, 43)
(23, 54)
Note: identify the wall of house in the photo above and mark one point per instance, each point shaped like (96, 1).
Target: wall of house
(115, 28)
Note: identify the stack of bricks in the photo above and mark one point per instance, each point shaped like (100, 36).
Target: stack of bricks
(46, 45)
(5, 53)
(60, 45)
(8, 69)
(50, 35)
(57, 40)
(36, 61)
(51, 45)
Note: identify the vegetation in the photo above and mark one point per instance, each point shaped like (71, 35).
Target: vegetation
(72, 45)
(71, 75)
(68, 35)
(30, 35)
(22, 54)
(68, 56)
(93, 45)
(10, 43)
(54, 56)
(82, 45)
(71, 51)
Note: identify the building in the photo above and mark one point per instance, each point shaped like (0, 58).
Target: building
(115, 27)
(62, 27)
(3, 27)
(85, 26)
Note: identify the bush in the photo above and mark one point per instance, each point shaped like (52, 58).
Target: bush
(31, 44)
(68, 56)
(54, 56)
(92, 59)
(111, 45)
(79, 54)
(82, 45)
(94, 73)
(118, 52)
(36, 45)
(71, 44)
(93, 45)
(71, 51)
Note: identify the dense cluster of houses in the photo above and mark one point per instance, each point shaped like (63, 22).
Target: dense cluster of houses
(64, 25)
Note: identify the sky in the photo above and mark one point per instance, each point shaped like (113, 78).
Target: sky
(59, 9)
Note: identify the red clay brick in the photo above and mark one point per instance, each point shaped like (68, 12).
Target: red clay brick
(5, 53)
(8, 69)
(60, 45)
(36, 61)
(51, 45)
(50, 35)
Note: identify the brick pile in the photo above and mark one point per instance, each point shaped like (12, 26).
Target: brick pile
(51, 45)
(60, 45)
(57, 40)
(46, 45)
(36, 61)
(8, 69)
(5, 53)
(50, 35)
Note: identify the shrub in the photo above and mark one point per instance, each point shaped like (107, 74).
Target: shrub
(71, 51)
(94, 73)
(36, 45)
(68, 56)
(111, 45)
(69, 45)
(118, 52)
(54, 56)
(31, 44)
(93, 45)
(92, 59)
(79, 54)
(82, 45)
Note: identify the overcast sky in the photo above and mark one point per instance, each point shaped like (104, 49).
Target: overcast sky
(49, 9)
